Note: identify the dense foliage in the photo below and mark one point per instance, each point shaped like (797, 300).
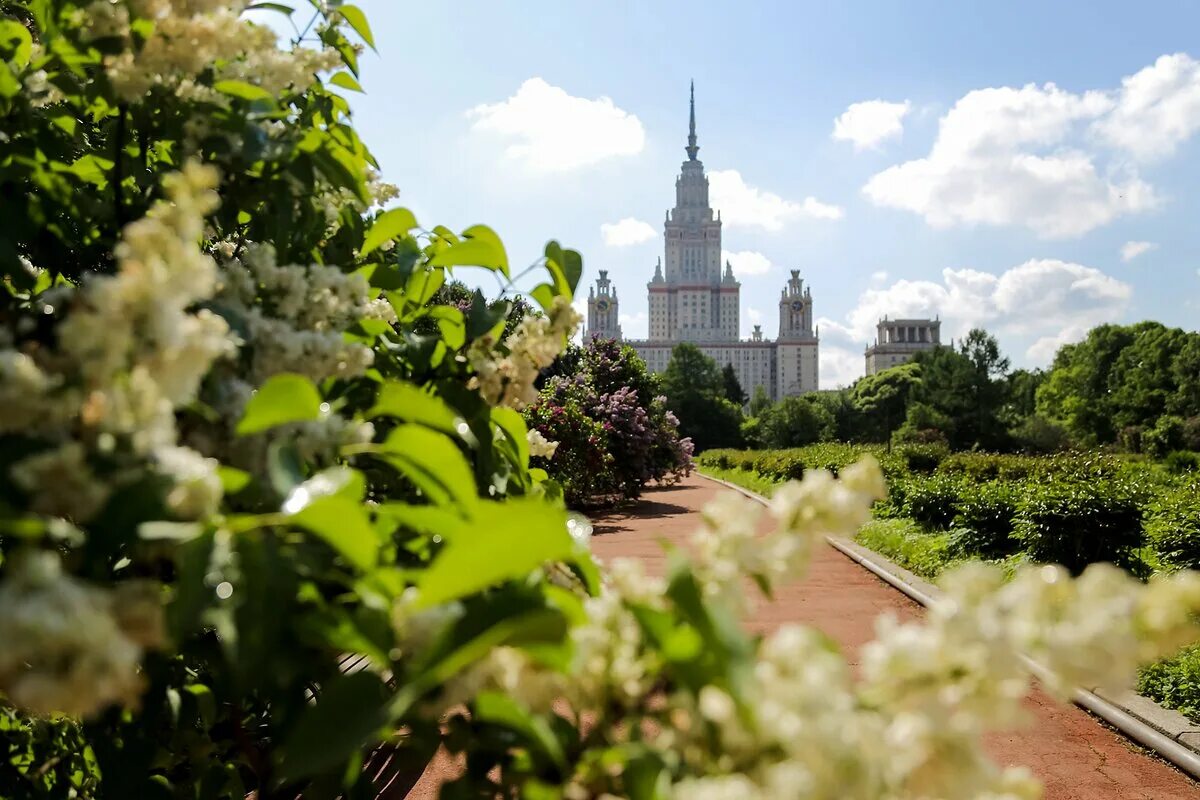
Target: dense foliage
(268, 503)
(607, 431)
(696, 391)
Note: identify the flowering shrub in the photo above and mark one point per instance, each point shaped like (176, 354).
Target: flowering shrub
(242, 437)
(613, 429)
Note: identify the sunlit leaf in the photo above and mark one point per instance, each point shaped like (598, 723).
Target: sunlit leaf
(282, 399)
(412, 404)
(388, 226)
(514, 538)
(358, 21)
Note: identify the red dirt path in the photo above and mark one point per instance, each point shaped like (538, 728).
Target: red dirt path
(1075, 756)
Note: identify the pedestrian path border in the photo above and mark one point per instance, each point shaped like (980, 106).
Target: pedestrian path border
(1168, 733)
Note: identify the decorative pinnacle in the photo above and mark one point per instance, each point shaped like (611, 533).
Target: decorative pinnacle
(692, 147)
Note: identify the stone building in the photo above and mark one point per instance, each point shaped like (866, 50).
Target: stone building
(692, 299)
(898, 340)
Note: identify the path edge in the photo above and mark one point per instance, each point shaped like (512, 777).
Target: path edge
(1167, 733)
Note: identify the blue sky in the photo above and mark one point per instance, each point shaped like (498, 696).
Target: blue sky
(1031, 167)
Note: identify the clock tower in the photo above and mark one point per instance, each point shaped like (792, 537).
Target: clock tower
(602, 318)
(796, 347)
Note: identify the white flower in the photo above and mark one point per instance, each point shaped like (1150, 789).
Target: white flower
(60, 483)
(197, 488)
(64, 649)
(539, 445)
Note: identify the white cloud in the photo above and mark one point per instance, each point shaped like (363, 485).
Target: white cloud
(1131, 250)
(553, 131)
(754, 315)
(879, 276)
(746, 262)
(1006, 156)
(840, 366)
(634, 326)
(743, 205)
(1045, 300)
(868, 123)
(1157, 108)
(626, 232)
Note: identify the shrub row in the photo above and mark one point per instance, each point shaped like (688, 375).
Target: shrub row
(1072, 509)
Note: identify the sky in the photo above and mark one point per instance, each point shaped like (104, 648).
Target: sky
(1032, 168)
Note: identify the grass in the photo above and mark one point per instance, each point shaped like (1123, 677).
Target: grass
(909, 545)
(742, 477)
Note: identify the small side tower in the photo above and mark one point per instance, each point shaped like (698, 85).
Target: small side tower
(602, 314)
(796, 349)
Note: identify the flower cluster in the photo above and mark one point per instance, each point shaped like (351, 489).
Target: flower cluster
(191, 36)
(69, 647)
(614, 430)
(533, 346)
(131, 350)
(294, 315)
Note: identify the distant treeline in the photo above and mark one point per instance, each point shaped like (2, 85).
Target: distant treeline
(1129, 387)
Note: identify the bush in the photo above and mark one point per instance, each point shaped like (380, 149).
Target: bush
(1075, 521)
(1174, 683)
(932, 501)
(924, 457)
(1039, 435)
(1181, 461)
(990, 466)
(1173, 525)
(1166, 435)
(629, 438)
(984, 523)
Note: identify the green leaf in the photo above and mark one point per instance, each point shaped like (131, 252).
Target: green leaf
(500, 709)
(279, 7)
(433, 462)
(482, 249)
(282, 399)
(451, 323)
(341, 523)
(425, 520)
(513, 425)
(346, 81)
(243, 90)
(358, 21)
(15, 40)
(544, 294)
(388, 226)
(233, 480)
(412, 404)
(350, 712)
(511, 540)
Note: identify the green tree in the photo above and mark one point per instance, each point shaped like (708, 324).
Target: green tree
(732, 386)
(1076, 392)
(848, 421)
(795, 422)
(695, 391)
(760, 402)
(883, 397)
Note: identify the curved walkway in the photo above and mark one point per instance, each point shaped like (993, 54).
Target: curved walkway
(1074, 755)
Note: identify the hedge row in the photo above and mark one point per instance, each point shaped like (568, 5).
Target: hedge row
(1072, 509)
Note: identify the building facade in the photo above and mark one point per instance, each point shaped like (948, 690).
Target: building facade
(898, 340)
(693, 298)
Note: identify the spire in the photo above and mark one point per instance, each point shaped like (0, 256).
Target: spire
(692, 147)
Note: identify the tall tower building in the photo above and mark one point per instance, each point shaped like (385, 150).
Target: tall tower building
(602, 315)
(695, 298)
(692, 300)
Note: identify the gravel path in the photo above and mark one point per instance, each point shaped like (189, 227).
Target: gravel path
(1074, 755)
